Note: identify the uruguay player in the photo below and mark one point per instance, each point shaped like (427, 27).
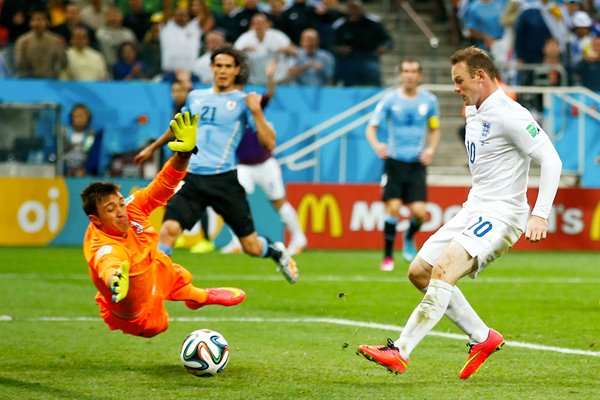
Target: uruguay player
(411, 116)
(211, 180)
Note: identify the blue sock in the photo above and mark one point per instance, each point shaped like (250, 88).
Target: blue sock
(265, 245)
(165, 249)
(389, 235)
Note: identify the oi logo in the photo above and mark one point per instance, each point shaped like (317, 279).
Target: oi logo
(34, 212)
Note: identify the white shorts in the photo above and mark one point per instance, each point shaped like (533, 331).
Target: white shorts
(483, 236)
(266, 175)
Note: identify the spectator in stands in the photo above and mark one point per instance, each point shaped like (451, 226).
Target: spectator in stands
(137, 19)
(15, 16)
(360, 40)
(298, 17)
(39, 53)
(483, 22)
(150, 53)
(532, 28)
(243, 18)
(312, 66)
(93, 14)
(57, 13)
(151, 6)
(200, 12)
(581, 39)
(568, 8)
(180, 40)
(226, 21)
(201, 68)
(81, 143)
(275, 14)
(83, 62)
(327, 12)
(263, 44)
(112, 35)
(553, 71)
(72, 21)
(550, 72)
(128, 67)
(587, 72)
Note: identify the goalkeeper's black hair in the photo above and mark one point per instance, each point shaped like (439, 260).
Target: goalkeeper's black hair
(91, 195)
(240, 60)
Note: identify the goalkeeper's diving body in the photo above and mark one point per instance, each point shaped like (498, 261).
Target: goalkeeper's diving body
(132, 276)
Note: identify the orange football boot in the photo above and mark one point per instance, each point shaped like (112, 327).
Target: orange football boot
(478, 353)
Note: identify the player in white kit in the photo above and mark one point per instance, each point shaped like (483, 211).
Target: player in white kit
(501, 139)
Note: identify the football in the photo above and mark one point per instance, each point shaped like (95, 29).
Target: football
(204, 353)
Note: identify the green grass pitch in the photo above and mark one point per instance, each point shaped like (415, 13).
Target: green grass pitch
(298, 341)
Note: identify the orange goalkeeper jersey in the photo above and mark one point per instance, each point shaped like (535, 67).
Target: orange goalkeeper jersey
(104, 253)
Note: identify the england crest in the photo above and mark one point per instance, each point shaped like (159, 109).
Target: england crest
(486, 130)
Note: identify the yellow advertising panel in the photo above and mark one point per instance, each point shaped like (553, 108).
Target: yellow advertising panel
(33, 211)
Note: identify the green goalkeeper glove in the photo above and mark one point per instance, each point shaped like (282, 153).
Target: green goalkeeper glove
(185, 133)
(119, 283)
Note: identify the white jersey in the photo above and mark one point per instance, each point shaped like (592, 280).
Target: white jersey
(500, 137)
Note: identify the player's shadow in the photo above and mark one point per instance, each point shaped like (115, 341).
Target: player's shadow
(163, 371)
(38, 390)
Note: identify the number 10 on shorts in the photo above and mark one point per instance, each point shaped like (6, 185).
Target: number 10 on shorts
(481, 227)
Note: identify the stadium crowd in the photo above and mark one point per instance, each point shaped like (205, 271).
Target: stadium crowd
(316, 43)
(537, 42)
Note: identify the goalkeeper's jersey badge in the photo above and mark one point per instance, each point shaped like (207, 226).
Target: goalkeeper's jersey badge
(137, 227)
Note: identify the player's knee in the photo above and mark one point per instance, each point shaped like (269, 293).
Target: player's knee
(420, 215)
(418, 273)
(170, 228)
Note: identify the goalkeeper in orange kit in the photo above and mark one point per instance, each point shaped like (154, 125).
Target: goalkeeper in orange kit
(132, 276)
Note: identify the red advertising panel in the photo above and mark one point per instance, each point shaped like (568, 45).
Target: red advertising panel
(352, 216)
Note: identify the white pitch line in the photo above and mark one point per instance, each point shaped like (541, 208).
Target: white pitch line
(316, 278)
(315, 320)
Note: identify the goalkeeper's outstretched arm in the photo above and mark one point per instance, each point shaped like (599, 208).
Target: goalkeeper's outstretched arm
(180, 124)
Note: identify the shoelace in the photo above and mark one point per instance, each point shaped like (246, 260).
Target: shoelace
(389, 346)
(470, 346)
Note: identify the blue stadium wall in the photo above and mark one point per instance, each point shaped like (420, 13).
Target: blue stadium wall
(132, 113)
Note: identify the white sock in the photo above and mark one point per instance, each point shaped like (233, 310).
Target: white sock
(462, 314)
(290, 219)
(427, 314)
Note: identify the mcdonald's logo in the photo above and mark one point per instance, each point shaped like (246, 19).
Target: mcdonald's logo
(595, 226)
(319, 209)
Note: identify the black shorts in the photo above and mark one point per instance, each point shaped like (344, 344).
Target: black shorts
(222, 192)
(406, 181)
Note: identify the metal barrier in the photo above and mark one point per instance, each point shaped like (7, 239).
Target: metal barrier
(569, 96)
(29, 139)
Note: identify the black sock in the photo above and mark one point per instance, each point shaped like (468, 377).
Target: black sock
(272, 252)
(389, 236)
(413, 228)
(204, 224)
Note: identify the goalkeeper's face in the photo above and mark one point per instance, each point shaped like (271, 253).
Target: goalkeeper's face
(112, 215)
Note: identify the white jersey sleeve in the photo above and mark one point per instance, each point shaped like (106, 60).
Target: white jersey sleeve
(522, 130)
(551, 167)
